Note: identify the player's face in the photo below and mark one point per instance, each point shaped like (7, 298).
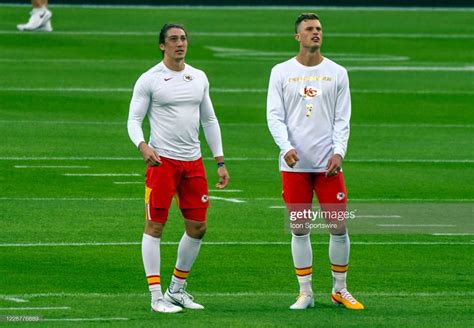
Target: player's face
(310, 34)
(176, 44)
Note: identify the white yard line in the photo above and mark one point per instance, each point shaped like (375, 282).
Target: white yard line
(102, 174)
(452, 234)
(388, 200)
(363, 91)
(411, 126)
(410, 69)
(14, 299)
(243, 294)
(72, 158)
(368, 160)
(230, 200)
(85, 319)
(35, 308)
(72, 199)
(93, 199)
(221, 243)
(242, 199)
(415, 225)
(229, 90)
(249, 90)
(51, 167)
(255, 125)
(64, 122)
(350, 160)
(379, 216)
(64, 89)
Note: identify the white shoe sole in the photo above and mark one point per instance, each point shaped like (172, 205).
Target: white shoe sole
(176, 309)
(309, 306)
(172, 301)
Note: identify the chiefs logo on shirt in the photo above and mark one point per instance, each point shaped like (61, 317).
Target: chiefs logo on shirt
(309, 92)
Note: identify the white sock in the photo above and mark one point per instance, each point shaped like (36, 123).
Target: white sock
(151, 262)
(188, 250)
(39, 9)
(339, 249)
(303, 260)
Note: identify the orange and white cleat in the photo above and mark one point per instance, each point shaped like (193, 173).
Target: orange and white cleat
(343, 297)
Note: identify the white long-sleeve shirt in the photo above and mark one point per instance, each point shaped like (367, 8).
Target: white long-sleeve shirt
(175, 103)
(308, 109)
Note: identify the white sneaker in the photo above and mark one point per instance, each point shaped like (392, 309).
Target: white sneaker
(45, 27)
(160, 305)
(38, 18)
(304, 301)
(182, 298)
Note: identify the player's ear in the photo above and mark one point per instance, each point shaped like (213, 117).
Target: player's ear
(162, 47)
(297, 37)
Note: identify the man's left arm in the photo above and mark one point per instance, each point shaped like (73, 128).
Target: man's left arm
(340, 134)
(212, 132)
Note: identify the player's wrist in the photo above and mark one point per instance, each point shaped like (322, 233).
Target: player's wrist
(141, 145)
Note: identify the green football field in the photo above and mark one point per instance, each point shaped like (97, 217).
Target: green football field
(71, 183)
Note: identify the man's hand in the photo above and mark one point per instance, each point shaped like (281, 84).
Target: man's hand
(291, 157)
(150, 157)
(334, 165)
(223, 177)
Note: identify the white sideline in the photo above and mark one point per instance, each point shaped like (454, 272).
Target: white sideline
(226, 243)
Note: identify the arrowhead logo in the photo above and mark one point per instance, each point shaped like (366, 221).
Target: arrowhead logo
(309, 92)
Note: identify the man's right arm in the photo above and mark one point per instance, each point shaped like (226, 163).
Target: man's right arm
(138, 109)
(276, 118)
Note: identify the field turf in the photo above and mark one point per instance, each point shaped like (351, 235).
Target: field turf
(70, 240)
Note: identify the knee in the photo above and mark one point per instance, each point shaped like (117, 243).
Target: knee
(154, 229)
(197, 230)
(300, 232)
